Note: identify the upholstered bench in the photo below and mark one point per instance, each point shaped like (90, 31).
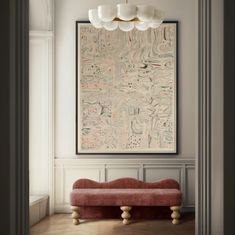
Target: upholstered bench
(126, 193)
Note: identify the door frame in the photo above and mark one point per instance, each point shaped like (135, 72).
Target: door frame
(209, 160)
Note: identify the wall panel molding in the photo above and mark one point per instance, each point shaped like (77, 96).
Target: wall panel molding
(68, 170)
(41, 144)
(108, 161)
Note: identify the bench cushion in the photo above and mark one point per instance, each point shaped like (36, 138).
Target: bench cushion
(121, 197)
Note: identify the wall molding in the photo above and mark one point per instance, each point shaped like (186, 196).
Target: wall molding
(40, 34)
(138, 161)
(69, 170)
(46, 40)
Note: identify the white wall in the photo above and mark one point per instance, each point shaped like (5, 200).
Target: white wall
(41, 99)
(39, 78)
(66, 13)
(68, 166)
(41, 15)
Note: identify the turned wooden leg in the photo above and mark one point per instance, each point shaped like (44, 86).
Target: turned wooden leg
(175, 214)
(75, 214)
(126, 215)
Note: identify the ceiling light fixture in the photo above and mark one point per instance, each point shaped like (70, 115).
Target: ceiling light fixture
(126, 16)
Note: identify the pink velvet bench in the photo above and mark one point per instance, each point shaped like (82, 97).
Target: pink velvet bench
(126, 193)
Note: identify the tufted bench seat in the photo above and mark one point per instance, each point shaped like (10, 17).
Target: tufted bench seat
(126, 193)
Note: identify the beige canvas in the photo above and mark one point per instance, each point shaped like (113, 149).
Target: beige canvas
(126, 90)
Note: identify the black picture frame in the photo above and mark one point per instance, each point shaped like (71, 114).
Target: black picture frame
(176, 152)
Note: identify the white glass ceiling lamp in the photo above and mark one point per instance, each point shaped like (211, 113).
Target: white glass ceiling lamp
(126, 12)
(110, 26)
(142, 26)
(107, 13)
(126, 17)
(94, 18)
(126, 26)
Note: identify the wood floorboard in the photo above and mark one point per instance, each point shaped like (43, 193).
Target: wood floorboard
(61, 224)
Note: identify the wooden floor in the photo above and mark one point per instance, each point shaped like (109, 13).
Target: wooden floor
(61, 224)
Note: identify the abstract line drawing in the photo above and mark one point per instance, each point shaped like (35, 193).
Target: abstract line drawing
(126, 90)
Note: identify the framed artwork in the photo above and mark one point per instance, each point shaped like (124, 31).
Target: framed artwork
(126, 90)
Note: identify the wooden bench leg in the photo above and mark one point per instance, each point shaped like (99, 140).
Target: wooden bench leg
(175, 214)
(75, 214)
(126, 215)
